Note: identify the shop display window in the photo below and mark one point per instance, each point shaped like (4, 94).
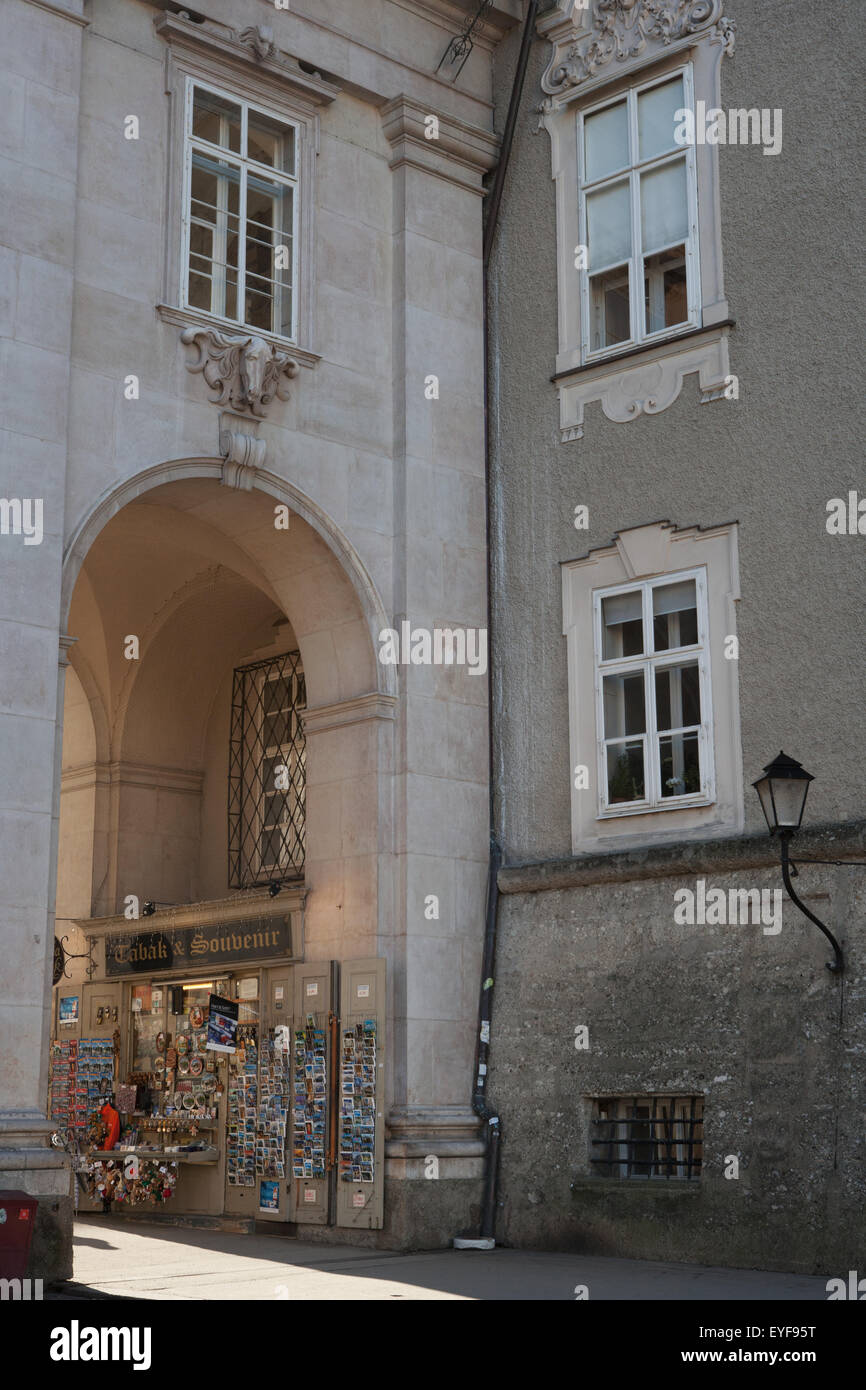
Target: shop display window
(147, 1011)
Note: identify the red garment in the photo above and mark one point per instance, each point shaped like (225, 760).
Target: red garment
(110, 1117)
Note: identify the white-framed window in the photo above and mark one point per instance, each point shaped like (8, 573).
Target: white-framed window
(638, 218)
(240, 217)
(653, 695)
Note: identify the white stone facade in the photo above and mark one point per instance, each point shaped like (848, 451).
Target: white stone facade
(158, 510)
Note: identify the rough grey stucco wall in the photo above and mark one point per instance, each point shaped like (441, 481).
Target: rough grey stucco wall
(673, 1008)
(791, 225)
(749, 1021)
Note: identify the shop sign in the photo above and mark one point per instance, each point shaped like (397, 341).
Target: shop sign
(131, 953)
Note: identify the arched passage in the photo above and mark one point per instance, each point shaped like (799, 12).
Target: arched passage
(173, 583)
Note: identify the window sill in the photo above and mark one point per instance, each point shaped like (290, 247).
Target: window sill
(645, 379)
(195, 318)
(684, 803)
(671, 1187)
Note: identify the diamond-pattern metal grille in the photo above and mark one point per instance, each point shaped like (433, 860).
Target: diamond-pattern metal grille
(267, 772)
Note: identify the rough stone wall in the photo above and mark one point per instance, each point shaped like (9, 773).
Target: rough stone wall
(749, 1020)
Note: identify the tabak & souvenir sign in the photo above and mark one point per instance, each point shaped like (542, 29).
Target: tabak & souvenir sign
(130, 953)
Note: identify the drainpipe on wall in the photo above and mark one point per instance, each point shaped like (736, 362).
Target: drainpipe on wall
(486, 1235)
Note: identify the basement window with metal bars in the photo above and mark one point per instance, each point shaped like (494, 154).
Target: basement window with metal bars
(647, 1137)
(267, 772)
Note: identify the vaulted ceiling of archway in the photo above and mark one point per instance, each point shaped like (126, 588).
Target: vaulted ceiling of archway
(200, 575)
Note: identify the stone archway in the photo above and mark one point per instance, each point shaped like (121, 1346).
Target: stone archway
(199, 573)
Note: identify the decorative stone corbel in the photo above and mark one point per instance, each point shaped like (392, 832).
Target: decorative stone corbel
(242, 453)
(245, 371)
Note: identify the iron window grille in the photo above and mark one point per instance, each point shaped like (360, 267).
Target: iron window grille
(267, 772)
(648, 1137)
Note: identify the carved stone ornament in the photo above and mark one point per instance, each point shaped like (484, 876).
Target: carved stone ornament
(649, 387)
(260, 40)
(623, 31)
(245, 371)
(243, 455)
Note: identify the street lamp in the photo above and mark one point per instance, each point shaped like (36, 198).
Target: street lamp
(782, 791)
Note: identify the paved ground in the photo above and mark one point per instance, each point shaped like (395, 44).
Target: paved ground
(158, 1262)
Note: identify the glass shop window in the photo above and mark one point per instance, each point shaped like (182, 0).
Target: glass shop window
(147, 1009)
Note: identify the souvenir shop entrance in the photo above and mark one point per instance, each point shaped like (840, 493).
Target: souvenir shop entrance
(254, 1091)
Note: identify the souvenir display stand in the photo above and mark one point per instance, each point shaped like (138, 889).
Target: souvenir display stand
(257, 1093)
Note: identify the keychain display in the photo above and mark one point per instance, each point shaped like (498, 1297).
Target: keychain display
(309, 1102)
(274, 1094)
(358, 1102)
(132, 1182)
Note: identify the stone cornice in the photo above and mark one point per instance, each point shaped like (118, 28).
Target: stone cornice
(171, 779)
(448, 1131)
(729, 855)
(460, 152)
(64, 11)
(452, 17)
(215, 913)
(356, 711)
(250, 48)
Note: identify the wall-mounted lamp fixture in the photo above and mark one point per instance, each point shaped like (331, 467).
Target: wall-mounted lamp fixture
(783, 790)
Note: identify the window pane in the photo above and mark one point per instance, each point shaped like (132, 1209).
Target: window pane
(656, 118)
(213, 238)
(274, 730)
(675, 616)
(624, 711)
(678, 697)
(217, 120)
(625, 772)
(276, 695)
(621, 626)
(270, 843)
(680, 764)
(605, 137)
(608, 220)
(664, 206)
(609, 314)
(271, 143)
(269, 255)
(665, 297)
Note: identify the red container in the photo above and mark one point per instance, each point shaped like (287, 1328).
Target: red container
(17, 1219)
